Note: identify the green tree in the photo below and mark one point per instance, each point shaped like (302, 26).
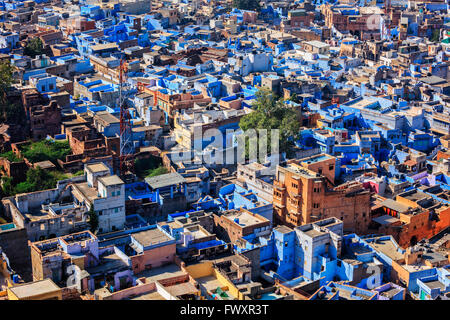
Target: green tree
(271, 112)
(93, 219)
(78, 173)
(36, 180)
(46, 150)
(7, 186)
(436, 35)
(145, 166)
(247, 5)
(39, 179)
(9, 112)
(294, 98)
(11, 156)
(6, 78)
(157, 171)
(34, 47)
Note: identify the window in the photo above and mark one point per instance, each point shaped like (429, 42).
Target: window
(118, 193)
(320, 170)
(331, 167)
(116, 210)
(100, 212)
(112, 193)
(316, 205)
(50, 86)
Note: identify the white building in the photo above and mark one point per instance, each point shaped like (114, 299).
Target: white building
(106, 193)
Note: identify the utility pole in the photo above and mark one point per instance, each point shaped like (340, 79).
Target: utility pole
(125, 157)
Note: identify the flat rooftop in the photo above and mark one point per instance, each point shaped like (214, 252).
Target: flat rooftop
(111, 180)
(297, 169)
(394, 205)
(316, 158)
(386, 219)
(387, 247)
(104, 46)
(151, 237)
(164, 272)
(414, 195)
(154, 295)
(181, 289)
(165, 180)
(435, 284)
(210, 283)
(390, 292)
(197, 233)
(108, 263)
(97, 167)
(88, 192)
(283, 229)
(314, 233)
(106, 117)
(243, 218)
(33, 289)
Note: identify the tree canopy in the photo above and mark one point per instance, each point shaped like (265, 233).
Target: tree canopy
(146, 166)
(9, 112)
(157, 171)
(6, 78)
(271, 112)
(93, 219)
(34, 47)
(11, 156)
(247, 5)
(37, 179)
(46, 150)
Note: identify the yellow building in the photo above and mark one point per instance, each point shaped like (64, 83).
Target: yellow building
(212, 282)
(37, 290)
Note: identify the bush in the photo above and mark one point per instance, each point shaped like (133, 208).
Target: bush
(247, 4)
(157, 172)
(78, 173)
(270, 112)
(7, 186)
(37, 179)
(46, 150)
(34, 47)
(11, 156)
(93, 219)
(144, 167)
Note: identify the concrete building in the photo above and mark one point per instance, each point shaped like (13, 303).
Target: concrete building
(76, 259)
(38, 290)
(104, 192)
(235, 224)
(303, 195)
